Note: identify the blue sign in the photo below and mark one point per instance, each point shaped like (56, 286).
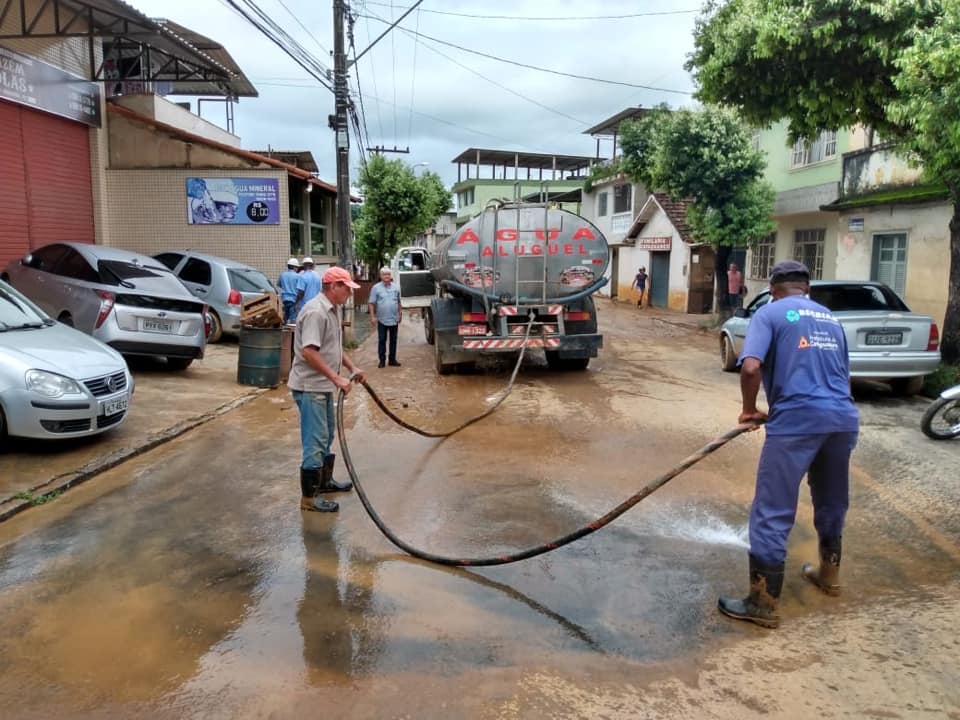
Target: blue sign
(233, 201)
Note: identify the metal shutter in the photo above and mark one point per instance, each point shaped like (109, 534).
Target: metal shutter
(14, 240)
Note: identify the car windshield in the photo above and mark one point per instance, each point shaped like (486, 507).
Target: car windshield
(249, 280)
(857, 297)
(118, 272)
(16, 313)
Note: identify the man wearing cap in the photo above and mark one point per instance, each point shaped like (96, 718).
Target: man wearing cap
(318, 358)
(797, 350)
(288, 288)
(386, 314)
(308, 284)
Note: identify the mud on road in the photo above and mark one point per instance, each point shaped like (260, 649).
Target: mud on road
(187, 584)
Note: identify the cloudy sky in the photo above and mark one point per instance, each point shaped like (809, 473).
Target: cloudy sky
(440, 100)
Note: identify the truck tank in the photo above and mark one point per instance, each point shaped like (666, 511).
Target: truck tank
(522, 253)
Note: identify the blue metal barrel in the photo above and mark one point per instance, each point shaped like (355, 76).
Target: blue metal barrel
(259, 361)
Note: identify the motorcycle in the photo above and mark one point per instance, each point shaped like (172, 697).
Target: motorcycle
(941, 421)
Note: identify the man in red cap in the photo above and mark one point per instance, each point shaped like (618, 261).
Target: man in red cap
(314, 378)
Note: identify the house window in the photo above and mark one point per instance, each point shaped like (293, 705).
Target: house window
(823, 148)
(622, 197)
(889, 264)
(762, 255)
(602, 204)
(465, 198)
(808, 249)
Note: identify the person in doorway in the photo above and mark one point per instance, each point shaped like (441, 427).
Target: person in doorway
(640, 283)
(734, 287)
(288, 289)
(318, 358)
(797, 349)
(309, 284)
(386, 315)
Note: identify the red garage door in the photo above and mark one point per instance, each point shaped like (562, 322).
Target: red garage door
(45, 192)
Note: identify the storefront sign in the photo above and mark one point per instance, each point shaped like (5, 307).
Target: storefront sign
(654, 243)
(38, 85)
(233, 201)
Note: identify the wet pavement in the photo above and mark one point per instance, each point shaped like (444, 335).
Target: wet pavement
(186, 583)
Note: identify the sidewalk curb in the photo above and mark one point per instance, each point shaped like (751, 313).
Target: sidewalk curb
(9, 507)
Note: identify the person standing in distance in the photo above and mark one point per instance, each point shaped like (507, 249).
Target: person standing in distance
(734, 287)
(640, 283)
(315, 377)
(386, 314)
(308, 285)
(797, 349)
(288, 288)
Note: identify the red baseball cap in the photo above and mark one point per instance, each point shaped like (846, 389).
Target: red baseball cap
(338, 274)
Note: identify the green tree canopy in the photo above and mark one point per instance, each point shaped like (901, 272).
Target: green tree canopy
(397, 205)
(890, 65)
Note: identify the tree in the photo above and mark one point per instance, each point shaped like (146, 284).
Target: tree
(889, 65)
(704, 155)
(396, 206)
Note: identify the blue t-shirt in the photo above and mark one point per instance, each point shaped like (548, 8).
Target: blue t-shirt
(805, 367)
(310, 283)
(386, 299)
(288, 285)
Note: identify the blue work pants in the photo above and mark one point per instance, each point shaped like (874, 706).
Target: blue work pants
(289, 314)
(317, 426)
(784, 460)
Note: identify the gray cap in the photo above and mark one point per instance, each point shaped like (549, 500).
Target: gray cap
(788, 267)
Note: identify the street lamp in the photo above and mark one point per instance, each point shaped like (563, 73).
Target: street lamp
(420, 164)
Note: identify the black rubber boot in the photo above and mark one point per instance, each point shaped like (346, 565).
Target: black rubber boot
(309, 485)
(827, 576)
(760, 606)
(327, 483)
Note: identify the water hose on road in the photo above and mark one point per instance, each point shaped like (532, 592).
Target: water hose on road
(546, 547)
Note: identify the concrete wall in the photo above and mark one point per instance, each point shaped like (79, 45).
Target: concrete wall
(632, 258)
(164, 111)
(486, 190)
(149, 215)
(872, 170)
(590, 210)
(773, 142)
(928, 250)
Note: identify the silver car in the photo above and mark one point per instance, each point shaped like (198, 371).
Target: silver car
(221, 283)
(126, 300)
(55, 382)
(885, 340)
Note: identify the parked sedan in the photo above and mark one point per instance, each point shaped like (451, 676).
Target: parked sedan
(127, 300)
(55, 382)
(221, 283)
(885, 340)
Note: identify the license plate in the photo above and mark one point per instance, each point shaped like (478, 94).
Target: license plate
(158, 326)
(876, 338)
(117, 405)
(472, 330)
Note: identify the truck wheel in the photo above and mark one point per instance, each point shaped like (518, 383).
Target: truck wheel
(442, 367)
(428, 326)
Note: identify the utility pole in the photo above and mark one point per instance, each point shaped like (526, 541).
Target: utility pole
(340, 127)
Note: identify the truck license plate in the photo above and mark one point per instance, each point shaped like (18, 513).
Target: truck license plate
(472, 330)
(158, 326)
(883, 338)
(117, 405)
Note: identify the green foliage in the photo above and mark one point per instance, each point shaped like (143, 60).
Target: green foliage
(706, 156)
(945, 376)
(601, 172)
(38, 499)
(397, 204)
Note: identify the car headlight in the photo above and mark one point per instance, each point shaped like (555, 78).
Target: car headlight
(50, 384)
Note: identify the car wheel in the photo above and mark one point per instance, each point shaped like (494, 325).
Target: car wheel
(728, 356)
(216, 328)
(178, 363)
(908, 386)
(66, 318)
(3, 431)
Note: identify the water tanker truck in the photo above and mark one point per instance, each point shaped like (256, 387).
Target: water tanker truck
(511, 263)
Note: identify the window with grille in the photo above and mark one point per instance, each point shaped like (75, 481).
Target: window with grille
(889, 264)
(763, 252)
(808, 249)
(601, 204)
(823, 148)
(622, 196)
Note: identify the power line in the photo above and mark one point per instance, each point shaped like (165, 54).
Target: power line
(413, 80)
(535, 67)
(297, 20)
(363, 111)
(393, 53)
(550, 18)
(373, 78)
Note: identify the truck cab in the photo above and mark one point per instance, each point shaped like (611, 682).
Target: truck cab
(411, 268)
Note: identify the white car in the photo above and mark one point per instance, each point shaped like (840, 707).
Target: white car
(56, 382)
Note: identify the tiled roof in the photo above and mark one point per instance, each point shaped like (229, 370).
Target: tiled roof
(676, 210)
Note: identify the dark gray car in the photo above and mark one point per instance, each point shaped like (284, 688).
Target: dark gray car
(222, 283)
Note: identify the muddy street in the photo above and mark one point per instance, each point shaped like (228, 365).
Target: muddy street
(186, 583)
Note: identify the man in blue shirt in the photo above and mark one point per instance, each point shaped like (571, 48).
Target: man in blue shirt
(308, 284)
(798, 351)
(288, 289)
(385, 313)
